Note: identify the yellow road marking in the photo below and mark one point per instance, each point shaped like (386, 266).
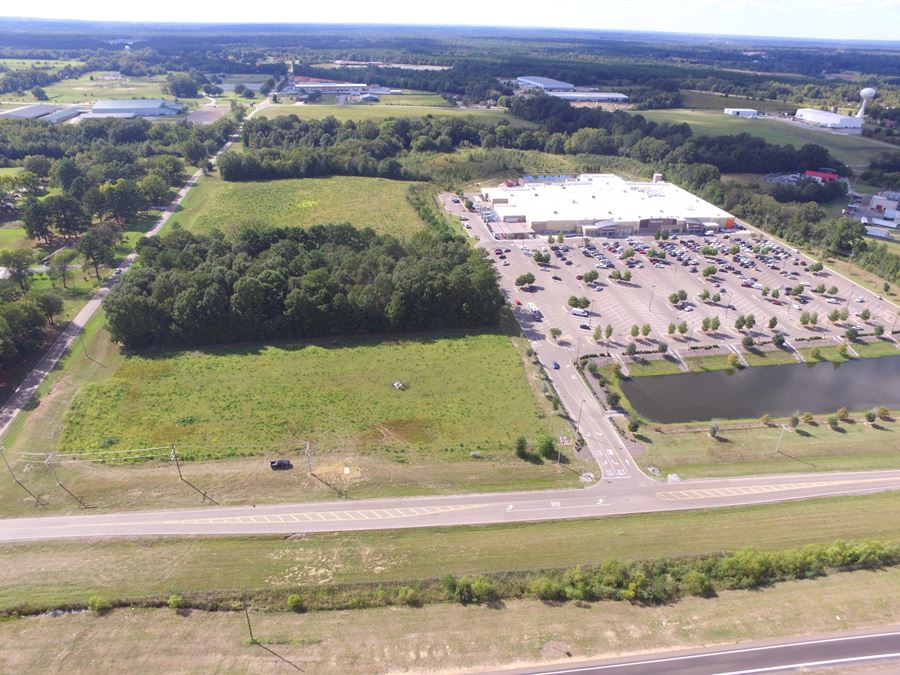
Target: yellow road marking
(332, 516)
(741, 490)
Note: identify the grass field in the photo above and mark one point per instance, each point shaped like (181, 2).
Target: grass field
(394, 443)
(40, 64)
(12, 236)
(205, 401)
(120, 569)
(414, 98)
(441, 638)
(707, 100)
(854, 150)
(84, 89)
(364, 202)
(379, 111)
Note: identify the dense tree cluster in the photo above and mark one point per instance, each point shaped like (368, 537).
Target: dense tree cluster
(106, 169)
(291, 282)
(884, 170)
(809, 190)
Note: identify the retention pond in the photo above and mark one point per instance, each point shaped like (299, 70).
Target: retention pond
(775, 390)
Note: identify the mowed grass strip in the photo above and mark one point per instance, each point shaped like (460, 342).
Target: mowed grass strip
(464, 393)
(854, 150)
(440, 638)
(378, 203)
(127, 569)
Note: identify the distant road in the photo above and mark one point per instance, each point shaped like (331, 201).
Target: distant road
(835, 652)
(607, 498)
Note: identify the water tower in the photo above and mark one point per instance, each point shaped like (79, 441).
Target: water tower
(866, 95)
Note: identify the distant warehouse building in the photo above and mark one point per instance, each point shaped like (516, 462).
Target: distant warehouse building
(590, 96)
(137, 107)
(547, 84)
(30, 112)
(749, 113)
(829, 120)
(601, 205)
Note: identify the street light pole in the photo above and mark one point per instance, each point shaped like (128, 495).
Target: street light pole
(650, 304)
(578, 421)
(778, 445)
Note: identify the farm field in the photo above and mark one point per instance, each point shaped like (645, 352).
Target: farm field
(378, 111)
(41, 64)
(271, 567)
(440, 637)
(854, 150)
(378, 203)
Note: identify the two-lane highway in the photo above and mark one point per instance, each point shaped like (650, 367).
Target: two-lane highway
(607, 498)
(850, 650)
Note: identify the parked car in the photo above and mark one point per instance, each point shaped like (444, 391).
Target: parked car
(281, 464)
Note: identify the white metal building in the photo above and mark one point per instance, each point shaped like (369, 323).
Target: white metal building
(590, 96)
(139, 107)
(749, 113)
(544, 83)
(828, 120)
(604, 205)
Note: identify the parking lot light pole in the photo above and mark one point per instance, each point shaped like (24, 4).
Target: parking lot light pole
(650, 304)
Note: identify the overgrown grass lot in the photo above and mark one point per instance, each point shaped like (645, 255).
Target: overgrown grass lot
(378, 203)
(464, 393)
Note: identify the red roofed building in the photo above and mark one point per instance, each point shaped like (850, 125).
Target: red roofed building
(822, 176)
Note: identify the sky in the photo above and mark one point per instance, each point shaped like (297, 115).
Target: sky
(824, 19)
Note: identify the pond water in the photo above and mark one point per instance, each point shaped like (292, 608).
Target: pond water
(821, 387)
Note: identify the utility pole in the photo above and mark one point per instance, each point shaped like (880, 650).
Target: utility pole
(308, 458)
(78, 499)
(37, 500)
(174, 457)
(578, 421)
(778, 445)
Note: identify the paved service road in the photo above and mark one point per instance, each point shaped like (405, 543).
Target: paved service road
(606, 498)
(835, 651)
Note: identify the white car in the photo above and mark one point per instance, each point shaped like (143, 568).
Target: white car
(833, 301)
(505, 263)
(860, 299)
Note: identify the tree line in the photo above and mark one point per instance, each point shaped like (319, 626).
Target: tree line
(272, 283)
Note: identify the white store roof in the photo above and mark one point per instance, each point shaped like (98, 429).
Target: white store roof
(601, 197)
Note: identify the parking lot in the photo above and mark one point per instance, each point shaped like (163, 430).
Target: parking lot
(753, 276)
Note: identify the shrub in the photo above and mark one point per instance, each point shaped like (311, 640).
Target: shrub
(409, 597)
(613, 399)
(697, 583)
(714, 429)
(522, 447)
(778, 340)
(546, 447)
(807, 418)
(295, 603)
(634, 424)
(175, 601)
(833, 421)
(747, 342)
(843, 414)
(765, 419)
(883, 413)
(98, 604)
(815, 354)
(794, 421)
(545, 588)
(871, 416)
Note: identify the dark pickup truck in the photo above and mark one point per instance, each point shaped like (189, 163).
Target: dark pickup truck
(281, 464)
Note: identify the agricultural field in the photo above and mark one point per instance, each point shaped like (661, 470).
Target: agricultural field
(441, 637)
(378, 203)
(854, 150)
(379, 111)
(40, 64)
